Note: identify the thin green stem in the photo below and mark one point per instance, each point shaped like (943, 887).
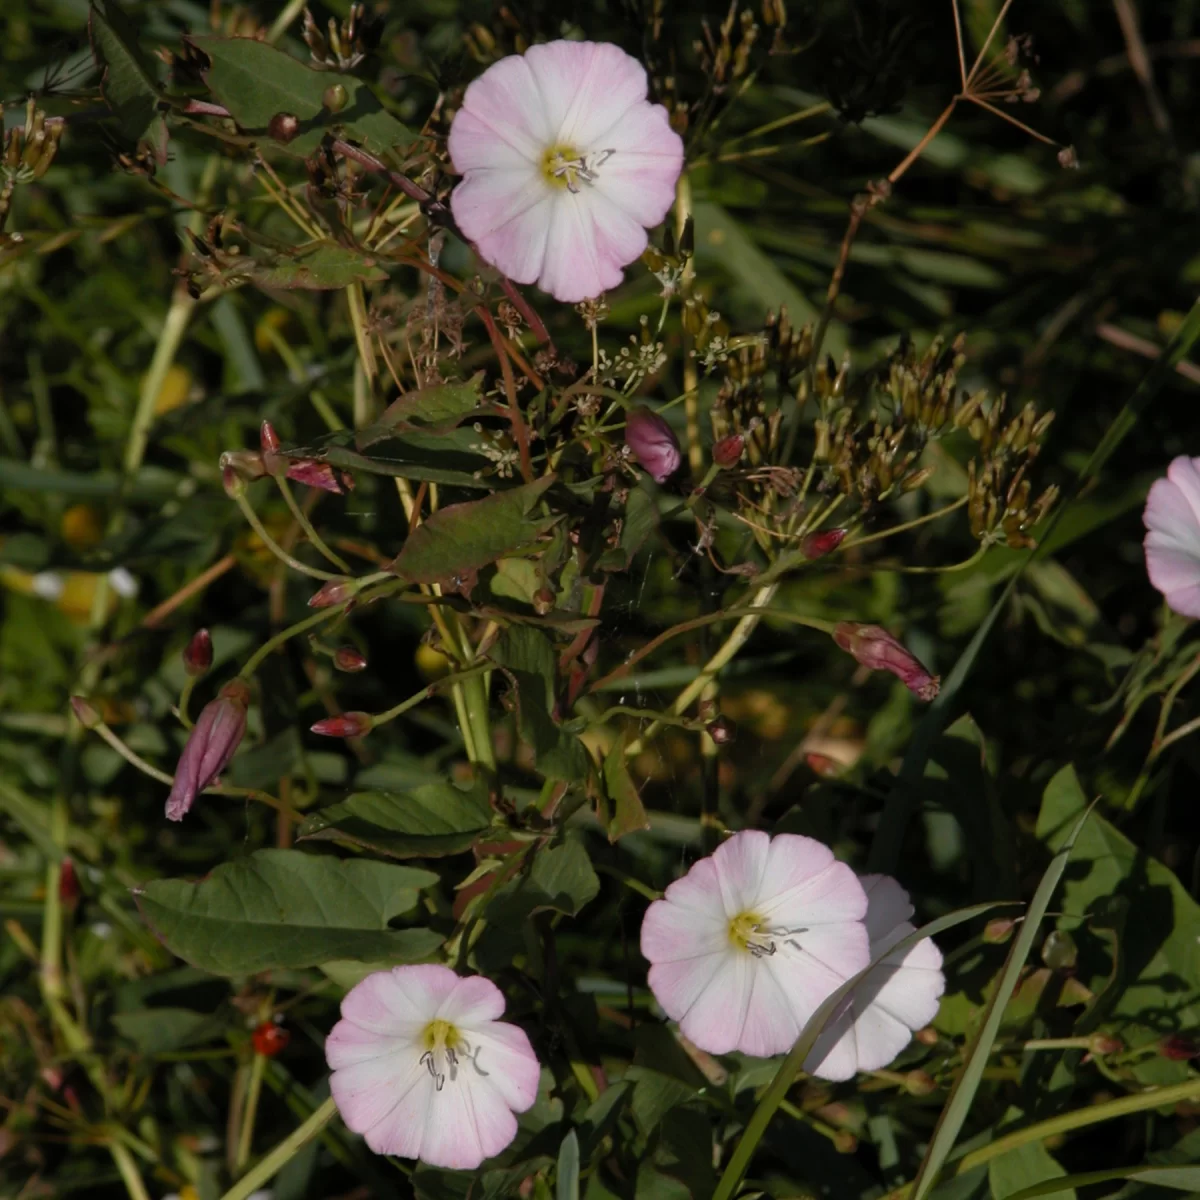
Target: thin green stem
(285, 635)
(894, 529)
(475, 701)
(289, 13)
(268, 1167)
(429, 690)
(250, 1112)
(185, 696)
(313, 536)
(272, 545)
(130, 1175)
(130, 756)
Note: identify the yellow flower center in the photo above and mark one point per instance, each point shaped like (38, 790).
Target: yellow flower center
(564, 167)
(744, 931)
(446, 1049)
(441, 1036)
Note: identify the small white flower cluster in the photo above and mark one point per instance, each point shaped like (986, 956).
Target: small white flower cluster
(632, 364)
(499, 449)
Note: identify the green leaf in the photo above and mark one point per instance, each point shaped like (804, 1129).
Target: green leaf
(438, 407)
(566, 1175)
(629, 814)
(561, 879)
(428, 821)
(1120, 885)
(465, 537)
(320, 267)
(1182, 1179)
(127, 85)
(1024, 1167)
(160, 1030)
(285, 908)
(256, 81)
(527, 655)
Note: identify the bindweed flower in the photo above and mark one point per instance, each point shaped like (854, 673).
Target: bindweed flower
(1172, 545)
(876, 649)
(899, 996)
(749, 943)
(211, 744)
(564, 163)
(653, 443)
(424, 1068)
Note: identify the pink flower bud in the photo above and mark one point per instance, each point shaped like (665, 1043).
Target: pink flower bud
(268, 439)
(211, 744)
(351, 724)
(346, 658)
(728, 451)
(1103, 1043)
(876, 649)
(1179, 1048)
(84, 712)
(652, 443)
(817, 545)
(336, 591)
(998, 930)
(68, 884)
(722, 731)
(197, 654)
(315, 474)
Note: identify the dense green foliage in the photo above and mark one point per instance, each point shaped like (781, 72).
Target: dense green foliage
(537, 766)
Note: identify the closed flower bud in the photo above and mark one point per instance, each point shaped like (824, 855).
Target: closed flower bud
(722, 731)
(351, 724)
(268, 439)
(1179, 1048)
(728, 451)
(336, 591)
(246, 465)
(198, 653)
(998, 930)
(543, 601)
(233, 483)
(315, 474)
(283, 126)
(817, 545)
(335, 97)
(85, 714)
(877, 650)
(346, 658)
(68, 885)
(919, 1083)
(214, 738)
(927, 1036)
(652, 443)
(1103, 1043)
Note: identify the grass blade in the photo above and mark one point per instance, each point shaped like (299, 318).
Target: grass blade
(1182, 1179)
(566, 1186)
(962, 1095)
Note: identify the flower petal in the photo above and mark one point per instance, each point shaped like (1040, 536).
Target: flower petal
(1184, 473)
(741, 862)
(475, 145)
(512, 1067)
(391, 1002)
(506, 99)
(716, 1017)
(674, 933)
(473, 1002)
(517, 248)
(803, 885)
(401, 1129)
(367, 1092)
(888, 906)
(678, 985)
(574, 269)
(467, 1122)
(818, 961)
(586, 87)
(770, 1025)
(699, 891)
(641, 175)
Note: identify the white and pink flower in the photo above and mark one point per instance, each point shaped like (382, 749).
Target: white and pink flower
(1172, 519)
(424, 1068)
(898, 997)
(750, 942)
(565, 163)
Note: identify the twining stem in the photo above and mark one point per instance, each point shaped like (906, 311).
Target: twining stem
(310, 532)
(271, 644)
(271, 544)
(268, 1167)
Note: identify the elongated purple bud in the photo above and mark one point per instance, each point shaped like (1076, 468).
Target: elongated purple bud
(817, 545)
(351, 724)
(346, 658)
(876, 649)
(214, 738)
(336, 591)
(652, 442)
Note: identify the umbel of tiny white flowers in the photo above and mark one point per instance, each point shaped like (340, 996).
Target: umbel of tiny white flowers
(899, 996)
(424, 1068)
(751, 941)
(565, 163)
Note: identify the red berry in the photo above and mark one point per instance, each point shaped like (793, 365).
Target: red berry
(270, 1038)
